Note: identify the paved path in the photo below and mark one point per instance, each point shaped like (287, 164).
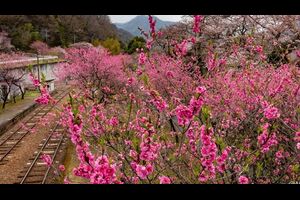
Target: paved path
(14, 110)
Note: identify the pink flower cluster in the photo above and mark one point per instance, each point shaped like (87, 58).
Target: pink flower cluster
(240, 92)
(164, 73)
(93, 67)
(158, 101)
(61, 168)
(182, 48)
(213, 62)
(82, 150)
(47, 159)
(152, 23)
(45, 97)
(197, 20)
(130, 81)
(149, 149)
(143, 161)
(40, 47)
(190, 134)
(266, 140)
(104, 172)
(243, 180)
(164, 180)
(279, 155)
(222, 159)
(185, 114)
(209, 155)
(146, 138)
(149, 43)
(200, 89)
(249, 40)
(96, 117)
(270, 112)
(35, 81)
(258, 49)
(106, 90)
(114, 121)
(142, 171)
(98, 171)
(142, 58)
(195, 105)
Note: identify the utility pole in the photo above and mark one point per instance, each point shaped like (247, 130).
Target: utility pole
(46, 35)
(38, 65)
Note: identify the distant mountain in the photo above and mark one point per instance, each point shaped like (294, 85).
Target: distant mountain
(124, 36)
(142, 22)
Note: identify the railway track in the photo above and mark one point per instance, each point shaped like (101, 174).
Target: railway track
(13, 140)
(36, 170)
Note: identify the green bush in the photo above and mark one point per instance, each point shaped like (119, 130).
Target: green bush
(113, 45)
(24, 35)
(136, 42)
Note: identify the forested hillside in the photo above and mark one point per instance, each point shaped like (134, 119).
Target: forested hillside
(58, 30)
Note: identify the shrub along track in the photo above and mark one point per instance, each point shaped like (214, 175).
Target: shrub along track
(13, 155)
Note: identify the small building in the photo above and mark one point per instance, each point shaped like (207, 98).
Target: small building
(18, 67)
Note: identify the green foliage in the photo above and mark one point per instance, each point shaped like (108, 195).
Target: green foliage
(35, 35)
(136, 42)
(220, 141)
(30, 68)
(102, 141)
(113, 45)
(259, 169)
(56, 30)
(205, 115)
(135, 143)
(63, 36)
(74, 106)
(279, 54)
(23, 36)
(43, 79)
(123, 46)
(145, 78)
(276, 56)
(134, 67)
(296, 168)
(96, 42)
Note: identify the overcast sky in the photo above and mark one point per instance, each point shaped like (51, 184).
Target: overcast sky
(126, 18)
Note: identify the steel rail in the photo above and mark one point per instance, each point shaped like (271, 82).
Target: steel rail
(53, 158)
(38, 155)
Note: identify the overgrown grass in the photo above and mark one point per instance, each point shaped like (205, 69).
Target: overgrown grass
(70, 163)
(34, 93)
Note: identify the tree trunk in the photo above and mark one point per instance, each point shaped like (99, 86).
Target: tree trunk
(4, 101)
(22, 91)
(23, 95)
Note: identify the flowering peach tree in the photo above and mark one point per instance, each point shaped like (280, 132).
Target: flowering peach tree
(153, 120)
